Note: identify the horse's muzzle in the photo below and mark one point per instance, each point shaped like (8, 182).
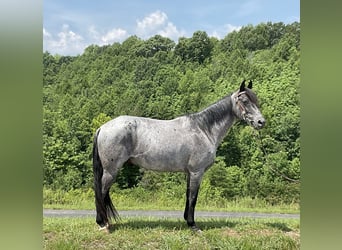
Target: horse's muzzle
(260, 123)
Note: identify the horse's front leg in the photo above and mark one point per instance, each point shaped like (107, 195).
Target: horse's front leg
(193, 184)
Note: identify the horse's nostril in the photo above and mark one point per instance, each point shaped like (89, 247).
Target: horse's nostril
(261, 122)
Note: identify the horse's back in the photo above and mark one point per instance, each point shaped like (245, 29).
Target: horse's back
(131, 132)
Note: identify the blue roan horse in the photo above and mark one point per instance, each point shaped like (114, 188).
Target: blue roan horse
(187, 144)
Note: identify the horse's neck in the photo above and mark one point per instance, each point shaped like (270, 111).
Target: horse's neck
(219, 130)
(216, 119)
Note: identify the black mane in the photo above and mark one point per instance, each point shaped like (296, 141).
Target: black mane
(213, 114)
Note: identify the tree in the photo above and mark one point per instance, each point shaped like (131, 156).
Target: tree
(155, 44)
(195, 49)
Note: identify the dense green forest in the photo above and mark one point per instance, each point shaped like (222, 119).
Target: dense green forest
(163, 79)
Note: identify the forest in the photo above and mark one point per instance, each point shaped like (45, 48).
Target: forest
(161, 78)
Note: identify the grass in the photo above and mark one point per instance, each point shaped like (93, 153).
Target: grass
(140, 199)
(152, 233)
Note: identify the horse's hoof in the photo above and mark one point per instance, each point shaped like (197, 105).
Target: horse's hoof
(196, 229)
(105, 228)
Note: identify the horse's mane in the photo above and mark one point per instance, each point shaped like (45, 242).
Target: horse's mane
(213, 114)
(217, 112)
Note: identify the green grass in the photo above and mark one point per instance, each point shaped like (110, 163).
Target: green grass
(152, 233)
(140, 199)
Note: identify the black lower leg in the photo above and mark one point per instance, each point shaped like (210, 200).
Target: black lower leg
(186, 210)
(100, 221)
(190, 220)
(193, 184)
(101, 215)
(191, 212)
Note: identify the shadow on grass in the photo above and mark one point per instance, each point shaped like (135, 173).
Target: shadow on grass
(171, 225)
(281, 226)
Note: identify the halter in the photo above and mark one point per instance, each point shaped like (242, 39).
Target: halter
(246, 114)
(240, 105)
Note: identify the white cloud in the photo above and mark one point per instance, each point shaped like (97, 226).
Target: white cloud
(114, 35)
(66, 42)
(231, 28)
(67, 37)
(157, 23)
(151, 22)
(171, 31)
(221, 32)
(70, 42)
(111, 36)
(93, 33)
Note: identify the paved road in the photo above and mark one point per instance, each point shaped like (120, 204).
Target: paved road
(168, 214)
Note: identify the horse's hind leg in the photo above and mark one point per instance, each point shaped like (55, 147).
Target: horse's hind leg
(107, 180)
(109, 175)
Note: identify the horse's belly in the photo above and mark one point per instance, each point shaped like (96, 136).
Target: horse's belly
(169, 161)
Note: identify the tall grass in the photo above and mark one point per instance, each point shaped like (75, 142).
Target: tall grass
(167, 199)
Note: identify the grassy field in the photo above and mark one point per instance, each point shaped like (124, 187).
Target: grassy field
(152, 233)
(155, 233)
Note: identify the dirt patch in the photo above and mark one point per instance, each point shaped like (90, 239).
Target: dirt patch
(262, 232)
(95, 244)
(48, 236)
(293, 235)
(231, 233)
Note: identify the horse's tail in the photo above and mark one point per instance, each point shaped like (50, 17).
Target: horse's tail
(104, 206)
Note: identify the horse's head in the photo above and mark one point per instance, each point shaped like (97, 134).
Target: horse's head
(246, 107)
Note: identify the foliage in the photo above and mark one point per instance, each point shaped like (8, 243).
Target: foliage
(161, 79)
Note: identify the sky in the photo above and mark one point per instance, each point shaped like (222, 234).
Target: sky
(69, 26)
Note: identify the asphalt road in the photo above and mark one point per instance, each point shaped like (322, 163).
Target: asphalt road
(167, 214)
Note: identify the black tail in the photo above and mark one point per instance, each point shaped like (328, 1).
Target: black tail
(105, 209)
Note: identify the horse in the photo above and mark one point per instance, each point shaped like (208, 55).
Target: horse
(187, 144)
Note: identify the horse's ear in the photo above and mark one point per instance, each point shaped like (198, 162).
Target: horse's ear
(243, 86)
(250, 84)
